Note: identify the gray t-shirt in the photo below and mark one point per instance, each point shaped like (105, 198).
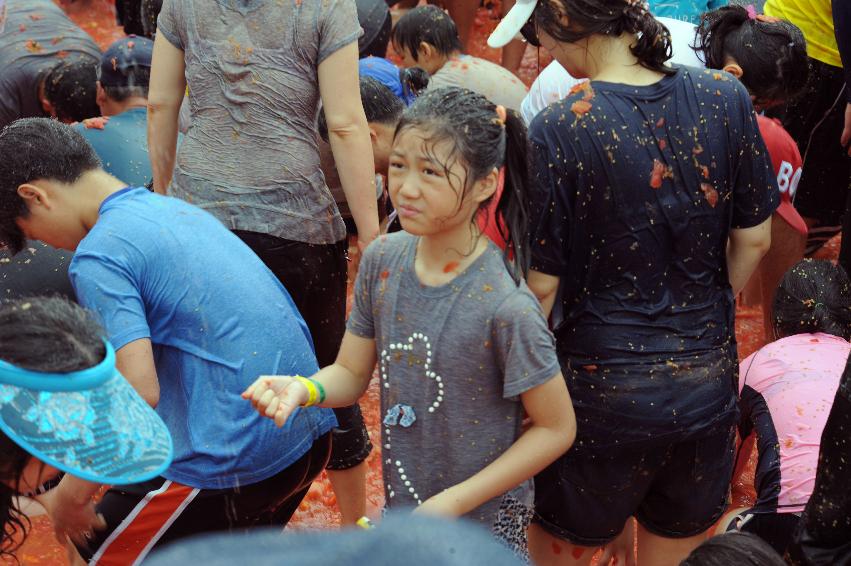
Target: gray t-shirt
(452, 362)
(36, 36)
(250, 156)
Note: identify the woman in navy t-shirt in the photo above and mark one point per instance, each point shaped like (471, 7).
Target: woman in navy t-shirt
(644, 174)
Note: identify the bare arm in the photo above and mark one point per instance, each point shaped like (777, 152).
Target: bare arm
(746, 248)
(552, 433)
(135, 361)
(167, 88)
(344, 381)
(545, 288)
(348, 134)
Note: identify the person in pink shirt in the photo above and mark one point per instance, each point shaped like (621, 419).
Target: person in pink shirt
(786, 392)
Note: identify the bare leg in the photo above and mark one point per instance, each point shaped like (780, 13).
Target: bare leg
(654, 550)
(463, 12)
(547, 550)
(512, 54)
(787, 249)
(350, 488)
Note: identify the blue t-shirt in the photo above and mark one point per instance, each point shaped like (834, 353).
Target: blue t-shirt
(122, 146)
(686, 10)
(160, 268)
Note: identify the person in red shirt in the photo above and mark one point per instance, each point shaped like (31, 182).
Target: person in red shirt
(724, 40)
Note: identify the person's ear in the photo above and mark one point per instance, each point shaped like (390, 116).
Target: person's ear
(734, 69)
(486, 187)
(373, 134)
(100, 97)
(425, 51)
(34, 196)
(45, 103)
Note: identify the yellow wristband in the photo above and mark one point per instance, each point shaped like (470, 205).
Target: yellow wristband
(312, 391)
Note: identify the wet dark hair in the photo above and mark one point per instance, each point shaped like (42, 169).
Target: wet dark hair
(481, 143)
(609, 17)
(47, 334)
(379, 104)
(149, 12)
(814, 296)
(138, 80)
(71, 89)
(32, 149)
(426, 24)
(772, 55)
(414, 80)
(741, 549)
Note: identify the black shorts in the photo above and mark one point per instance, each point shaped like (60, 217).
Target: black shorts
(316, 276)
(774, 528)
(815, 121)
(145, 516)
(675, 490)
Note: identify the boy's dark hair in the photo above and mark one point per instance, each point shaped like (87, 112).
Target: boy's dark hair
(426, 24)
(138, 79)
(613, 18)
(71, 89)
(32, 149)
(814, 296)
(772, 54)
(481, 143)
(741, 549)
(150, 11)
(48, 334)
(379, 104)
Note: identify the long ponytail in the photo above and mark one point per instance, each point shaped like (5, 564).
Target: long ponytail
(512, 209)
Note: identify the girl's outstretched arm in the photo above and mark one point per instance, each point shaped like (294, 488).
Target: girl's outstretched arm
(551, 435)
(344, 382)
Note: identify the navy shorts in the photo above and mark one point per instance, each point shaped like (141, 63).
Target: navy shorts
(676, 490)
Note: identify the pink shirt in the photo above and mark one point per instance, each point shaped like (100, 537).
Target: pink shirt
(796, 378)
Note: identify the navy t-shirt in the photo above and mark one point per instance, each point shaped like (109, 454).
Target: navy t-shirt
(638, 188)
(637, 199)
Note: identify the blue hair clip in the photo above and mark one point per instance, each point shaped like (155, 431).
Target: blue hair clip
(81, 380)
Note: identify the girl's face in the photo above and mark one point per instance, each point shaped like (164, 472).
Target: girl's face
(426, 184)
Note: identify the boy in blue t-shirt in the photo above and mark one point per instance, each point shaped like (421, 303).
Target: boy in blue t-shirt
(195, 317)
(686, 10)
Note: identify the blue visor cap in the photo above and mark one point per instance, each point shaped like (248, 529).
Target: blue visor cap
(90, 423)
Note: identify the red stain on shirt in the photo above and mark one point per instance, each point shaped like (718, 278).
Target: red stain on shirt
(580, 107)
(661, 123)
(657, 174)
(556, 548)
(36, 17)
(662, 145)
(33, 46)
(590, 367)
(95, 123)
(710, 194)
(577, 552)
(384, 274)
(450, 267)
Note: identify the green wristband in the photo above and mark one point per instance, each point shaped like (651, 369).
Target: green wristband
(321, 392)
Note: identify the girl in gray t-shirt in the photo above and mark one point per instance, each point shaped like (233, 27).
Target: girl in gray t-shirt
(461, 344)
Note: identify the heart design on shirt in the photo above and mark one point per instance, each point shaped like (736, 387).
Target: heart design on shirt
(393, 414)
